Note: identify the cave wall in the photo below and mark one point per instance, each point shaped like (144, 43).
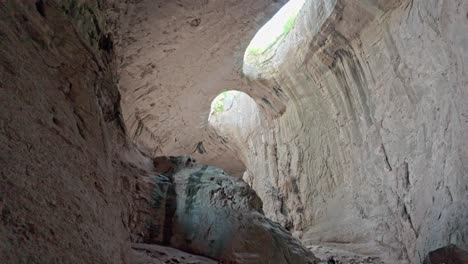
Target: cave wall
(371, 153)
(359, 135)
(73, 188)
(64, 190)
(174, 58)
(358, 139)
(208, 212)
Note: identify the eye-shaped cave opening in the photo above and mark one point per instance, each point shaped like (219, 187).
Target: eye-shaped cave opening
(235, 117)
(230, 108)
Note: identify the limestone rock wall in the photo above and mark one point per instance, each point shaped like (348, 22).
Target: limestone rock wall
(175, 57)
(358, 139)
(371, 153)
(71, 181)
(73, 189)
(359, 135)
(63, 186)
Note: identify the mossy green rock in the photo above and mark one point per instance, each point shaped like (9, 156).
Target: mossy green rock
(220, 216)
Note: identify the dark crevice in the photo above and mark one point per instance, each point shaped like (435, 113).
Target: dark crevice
(171, 206)
(40, 7)
(408, 218)
(106, 42)
(406, 175)
(387, 162)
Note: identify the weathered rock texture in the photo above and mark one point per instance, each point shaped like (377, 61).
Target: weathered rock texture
(62, 185)
(358, 138)
(370, 152)
(154, 254)
(210, 213)
(73, 189)
(175, 58)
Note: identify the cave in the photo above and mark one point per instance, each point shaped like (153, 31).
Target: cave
(234, 131)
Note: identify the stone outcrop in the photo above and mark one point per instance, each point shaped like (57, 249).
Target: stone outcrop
(370, 155)
(62, 183)
(201, 209)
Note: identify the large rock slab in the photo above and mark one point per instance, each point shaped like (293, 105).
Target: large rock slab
(370, 149)
(213, 214)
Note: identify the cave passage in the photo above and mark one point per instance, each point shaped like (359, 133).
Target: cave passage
(215, 131)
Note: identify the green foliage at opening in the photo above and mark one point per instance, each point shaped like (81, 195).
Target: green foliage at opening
(286, 29)
(289, 24)
(223, 102)
(218, 104)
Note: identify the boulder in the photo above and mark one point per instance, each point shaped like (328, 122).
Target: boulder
(210, 213)
(450, 254)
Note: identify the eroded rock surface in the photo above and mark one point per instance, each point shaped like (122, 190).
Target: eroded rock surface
(370, 150)
(371, 153)
(210, 213)
(358, 139)
(175, 58)
(155, 254)
(70, 180)
(62, 182)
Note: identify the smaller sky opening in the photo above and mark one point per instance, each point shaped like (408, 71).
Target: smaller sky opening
(223, 103)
